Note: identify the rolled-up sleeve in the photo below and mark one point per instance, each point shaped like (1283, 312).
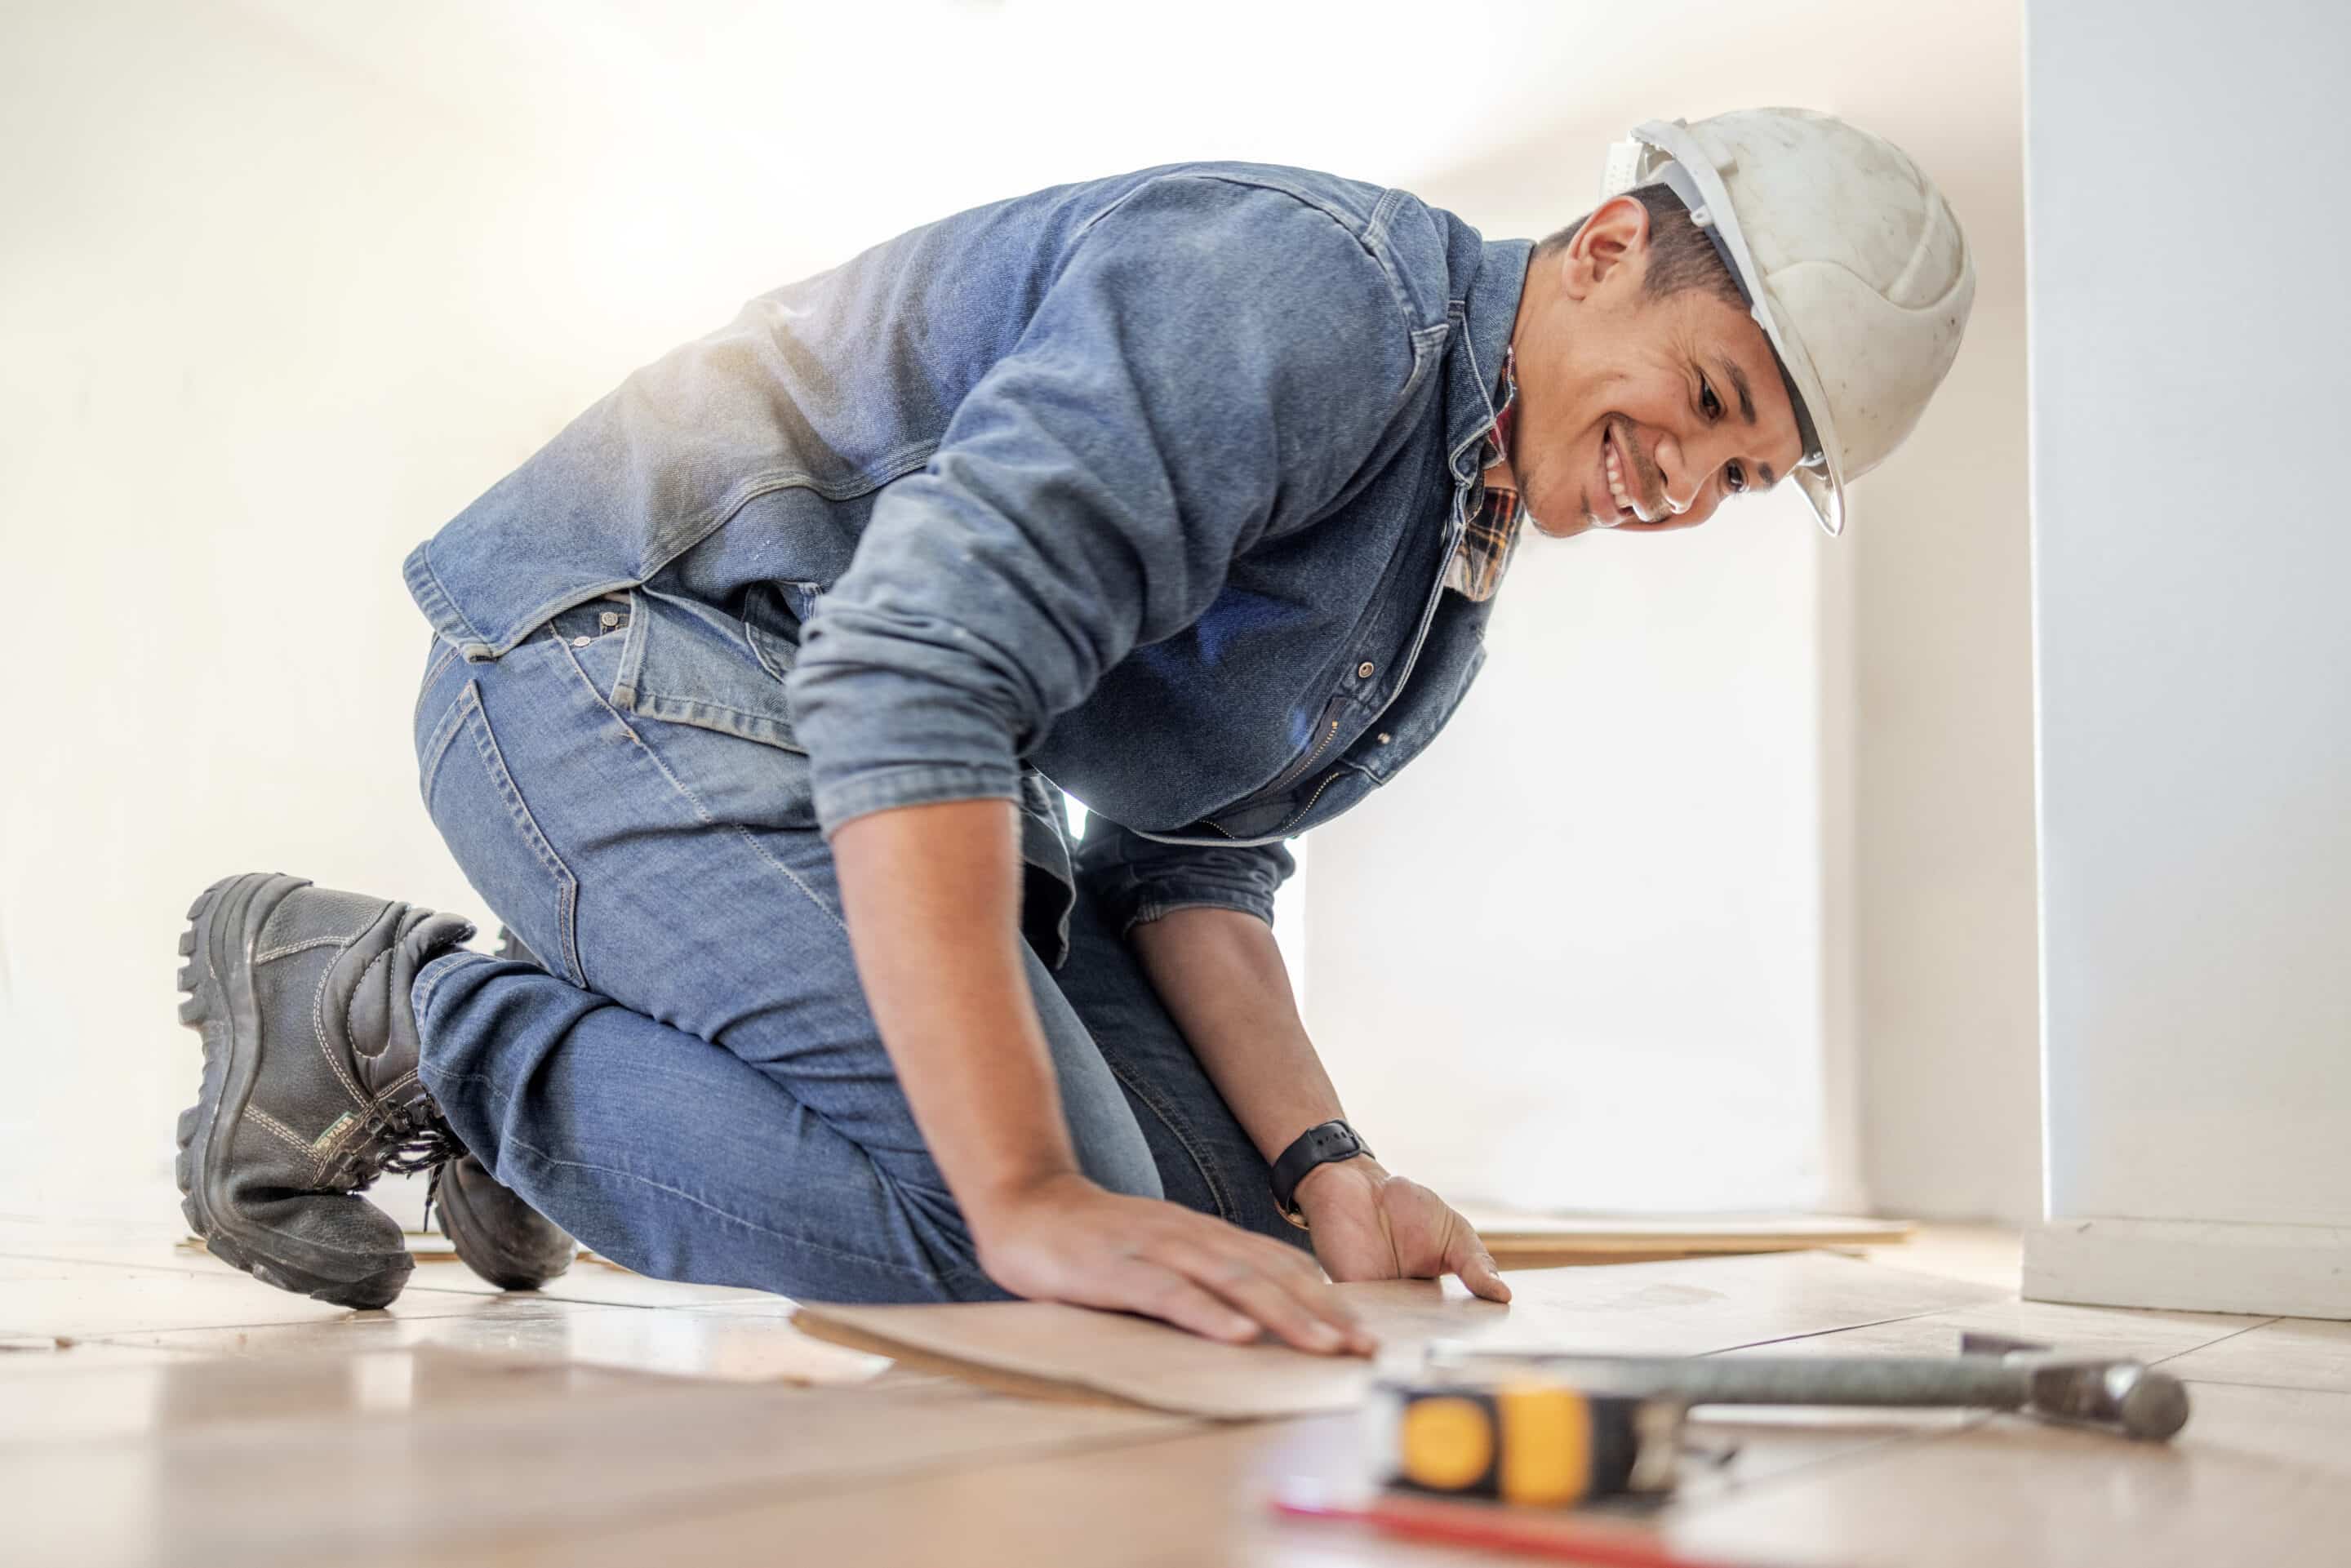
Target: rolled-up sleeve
(1211, 364)
(1135, 879)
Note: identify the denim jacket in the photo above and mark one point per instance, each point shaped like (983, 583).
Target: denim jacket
(1144, 487)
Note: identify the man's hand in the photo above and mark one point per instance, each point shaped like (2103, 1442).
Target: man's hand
(1369, 1225)
(1066, 1239)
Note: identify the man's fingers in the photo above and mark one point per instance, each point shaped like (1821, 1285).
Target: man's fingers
(1307, 1284)
(1467, 1256)
(1301, 1313)
(1478, 1271)
(1301, 1275)
(1164, 1292)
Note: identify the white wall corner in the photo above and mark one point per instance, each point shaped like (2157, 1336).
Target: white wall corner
(2187, 1265)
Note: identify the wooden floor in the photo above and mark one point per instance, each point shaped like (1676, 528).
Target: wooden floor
(156, 1407)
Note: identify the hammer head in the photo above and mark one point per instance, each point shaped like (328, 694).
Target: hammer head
(2110, 1390)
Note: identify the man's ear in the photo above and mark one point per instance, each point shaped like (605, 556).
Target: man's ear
(1612, 248)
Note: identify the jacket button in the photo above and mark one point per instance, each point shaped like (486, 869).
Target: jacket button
(1384, 737)
(1363, 670)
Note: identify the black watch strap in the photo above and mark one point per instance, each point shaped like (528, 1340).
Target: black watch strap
(1315, 1146)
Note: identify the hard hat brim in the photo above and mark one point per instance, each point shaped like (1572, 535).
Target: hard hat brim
(1819, 475)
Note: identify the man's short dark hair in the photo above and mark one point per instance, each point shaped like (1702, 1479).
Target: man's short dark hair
(1681, 255)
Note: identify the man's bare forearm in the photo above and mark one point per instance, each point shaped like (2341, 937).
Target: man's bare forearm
(1221, 977)
(932, 895)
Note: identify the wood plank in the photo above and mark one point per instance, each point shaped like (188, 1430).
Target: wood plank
(693, 1341)
(2092, 1330)
(1192, 1498)
(1195, 1498)
(2256, 1478)
(1535, 1241)
(2289, 1353)
(2250, 1484)
(1680, 1308)
(258, 1459)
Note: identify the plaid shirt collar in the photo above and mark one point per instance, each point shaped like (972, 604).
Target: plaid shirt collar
(1492, 535)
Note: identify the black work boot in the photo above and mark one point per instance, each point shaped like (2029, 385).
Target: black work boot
(497, 1235)
(309, 1087)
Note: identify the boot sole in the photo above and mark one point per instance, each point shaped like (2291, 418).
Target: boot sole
(220, 1007)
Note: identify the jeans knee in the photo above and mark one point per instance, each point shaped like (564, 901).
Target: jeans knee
(439, 994)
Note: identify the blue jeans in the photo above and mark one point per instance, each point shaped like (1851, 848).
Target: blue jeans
(692, 1084)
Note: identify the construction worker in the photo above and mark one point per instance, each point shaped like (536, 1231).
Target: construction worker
(751, 696)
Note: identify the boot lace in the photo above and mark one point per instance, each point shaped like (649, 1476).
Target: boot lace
(410, 1138)
(419, 1140)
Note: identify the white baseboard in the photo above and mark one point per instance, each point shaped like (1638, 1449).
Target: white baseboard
(2187, 1265)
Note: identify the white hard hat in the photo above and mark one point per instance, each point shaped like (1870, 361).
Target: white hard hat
(1850, 259)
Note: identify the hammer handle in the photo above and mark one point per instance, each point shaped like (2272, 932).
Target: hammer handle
(1975, 1383)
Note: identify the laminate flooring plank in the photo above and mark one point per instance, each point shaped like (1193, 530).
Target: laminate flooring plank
(258, 1460)
(2257, 1478)
(1676, 1308)
(1196, 1497)
(2098, 1331)
(1200, 1498)
(85, 1301)
(714, 1342)
(2283, 1352)
(1535, 1241)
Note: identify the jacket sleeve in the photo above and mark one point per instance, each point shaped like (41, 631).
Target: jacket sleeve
(1136, 879)
(1211, 365)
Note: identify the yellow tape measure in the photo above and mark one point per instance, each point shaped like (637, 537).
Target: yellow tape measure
(1543, 1444)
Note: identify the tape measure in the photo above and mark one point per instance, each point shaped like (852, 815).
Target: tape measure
(1544, 1444)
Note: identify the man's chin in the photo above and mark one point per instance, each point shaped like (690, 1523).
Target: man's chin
(1578, 523)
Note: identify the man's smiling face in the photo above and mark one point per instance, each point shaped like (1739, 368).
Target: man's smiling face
(1636, 411)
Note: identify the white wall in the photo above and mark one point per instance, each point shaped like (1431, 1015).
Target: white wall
(1943, 904)
(2190, 325)
(1759, 931)
(282, 286)
(1572, 956)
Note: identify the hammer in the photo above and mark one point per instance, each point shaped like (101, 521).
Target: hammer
(1990, 1373)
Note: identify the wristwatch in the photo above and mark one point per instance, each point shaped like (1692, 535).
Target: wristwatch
(1315, 1146)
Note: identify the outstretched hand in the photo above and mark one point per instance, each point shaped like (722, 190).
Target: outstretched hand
(1066, 1239)
(1369, 1225)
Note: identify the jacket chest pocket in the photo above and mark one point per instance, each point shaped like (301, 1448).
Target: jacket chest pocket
(1405, 730)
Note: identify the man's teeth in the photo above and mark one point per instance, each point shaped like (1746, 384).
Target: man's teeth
(1616, 475)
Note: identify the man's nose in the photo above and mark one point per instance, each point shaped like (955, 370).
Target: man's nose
(1682, 483)
(1687, 475)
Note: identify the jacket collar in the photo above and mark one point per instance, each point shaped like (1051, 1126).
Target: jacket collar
(1482, 313)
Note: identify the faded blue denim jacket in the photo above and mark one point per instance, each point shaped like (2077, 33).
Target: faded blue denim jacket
(1144, 487)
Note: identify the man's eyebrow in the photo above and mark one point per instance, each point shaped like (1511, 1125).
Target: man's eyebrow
(1739, 384)
(1769, 478)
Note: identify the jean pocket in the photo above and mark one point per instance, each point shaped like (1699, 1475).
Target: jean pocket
(489, 829)
(694, 664)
